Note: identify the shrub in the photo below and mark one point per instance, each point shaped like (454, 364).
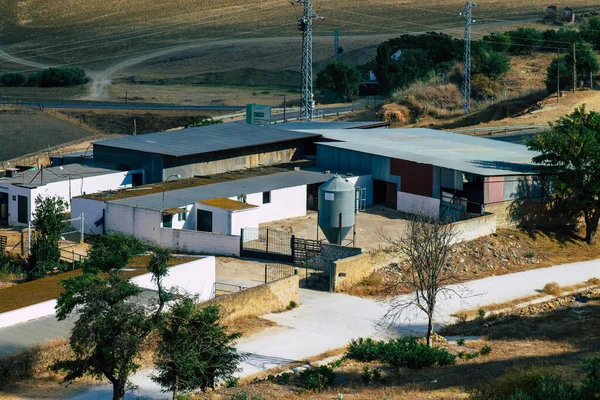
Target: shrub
(590, 386)
(529, 254)
(470, 356)
(402, 352)
(408, 352)
(593, 281)
(112, 251)
(365, 349)
(293, 304)
(480, 314)
(317, 379)
(56, 77)
(285, 378)
(525, 40)
(552, 288)
(13, 79)
(234, 381)
(245, 396)
(526, 384)
(483, 88)
(460, 341)
(366, 376)
(377, 375)
(485, 350)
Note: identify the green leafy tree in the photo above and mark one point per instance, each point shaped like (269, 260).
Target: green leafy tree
(586, 58)
(590, 31)
(48, 221)
(195, 350)
(560, 39)
(414, 65)
(525, 40)
(112, 251)
(56, 77)
(111, 325)
(570, 156)
(13, 79)
(342, 78)
(499, 42)
(552, 74)
(384, 68)
(492, 63)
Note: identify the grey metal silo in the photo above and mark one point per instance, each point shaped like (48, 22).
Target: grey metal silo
(336, 197)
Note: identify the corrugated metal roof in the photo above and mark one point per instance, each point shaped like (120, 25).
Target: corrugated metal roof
(184, 197)
(304, 126)
(204, 139)
(34, 177)
(443, 149)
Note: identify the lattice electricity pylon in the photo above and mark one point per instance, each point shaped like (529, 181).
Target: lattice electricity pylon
(466, 89)
(305, 25)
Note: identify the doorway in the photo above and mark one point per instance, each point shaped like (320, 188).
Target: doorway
(23, 210)
(204, 221)
(4, 208)
(385, 193)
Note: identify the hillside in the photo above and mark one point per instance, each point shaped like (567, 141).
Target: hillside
(97, 32)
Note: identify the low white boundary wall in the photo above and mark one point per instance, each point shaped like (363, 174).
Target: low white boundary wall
(200, 242)
(195, 277)
(415, 204)
(28, 313)
(474, 228)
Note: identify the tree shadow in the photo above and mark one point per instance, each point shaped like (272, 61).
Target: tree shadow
(535, 211)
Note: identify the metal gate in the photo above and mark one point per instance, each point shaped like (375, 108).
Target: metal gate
(267, 244)
(275, 272)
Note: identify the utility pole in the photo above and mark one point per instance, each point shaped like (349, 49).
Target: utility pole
(336, 44)
(574, 69)
(305, 25)
(467, 72)
(284, 108)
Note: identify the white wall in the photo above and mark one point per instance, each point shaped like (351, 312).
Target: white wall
(92, 212)
(415, 204)
(200, 242)
(195, 278)
(27, 313)
(285, 203)
(474, 228)
(221, 219)
(141, 222)
(78, 186)
(363, 181)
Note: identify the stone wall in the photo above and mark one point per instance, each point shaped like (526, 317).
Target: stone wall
(349, 271)
(474, 228)
(503, 214)
(272, 297)
(336, 252)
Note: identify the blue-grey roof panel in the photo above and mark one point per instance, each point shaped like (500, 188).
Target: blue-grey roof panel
(187, 196)
(470, 154)
(204, 139)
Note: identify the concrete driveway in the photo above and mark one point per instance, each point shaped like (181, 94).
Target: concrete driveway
(326, 321)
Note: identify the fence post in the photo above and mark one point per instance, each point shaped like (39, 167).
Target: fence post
(241, 241)
(266, 272)
(23, 243)
(293, 247)
(81, 239)
(267, 248)
(28, 237)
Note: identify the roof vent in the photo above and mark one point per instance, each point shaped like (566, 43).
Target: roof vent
(327, 172)
(11, 172)
(296, 168)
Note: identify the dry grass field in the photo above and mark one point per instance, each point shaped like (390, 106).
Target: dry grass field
(25, 130)
(99, 32)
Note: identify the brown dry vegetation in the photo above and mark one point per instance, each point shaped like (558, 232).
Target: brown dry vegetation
(506, 252)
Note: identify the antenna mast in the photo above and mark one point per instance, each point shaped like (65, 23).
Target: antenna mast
(305, 25)
(467, 71)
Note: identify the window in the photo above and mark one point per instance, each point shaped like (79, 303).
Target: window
(242, 198)
(204, 221)
(181, 216)
(266, 197)
(167, 220)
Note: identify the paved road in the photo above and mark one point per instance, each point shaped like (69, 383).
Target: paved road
(325, 321)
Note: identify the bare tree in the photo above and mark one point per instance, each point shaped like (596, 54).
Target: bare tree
(425, 271)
